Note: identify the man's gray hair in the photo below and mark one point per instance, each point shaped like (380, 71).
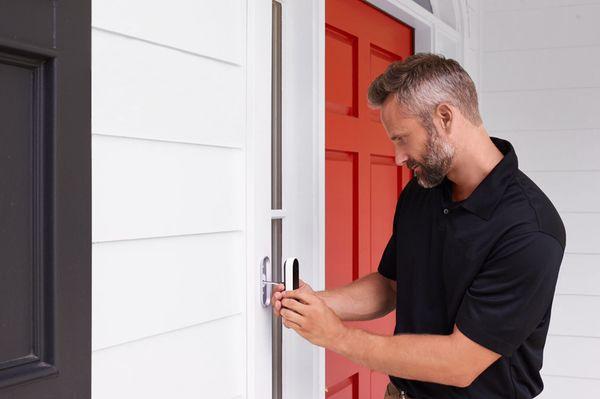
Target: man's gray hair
(421, 82)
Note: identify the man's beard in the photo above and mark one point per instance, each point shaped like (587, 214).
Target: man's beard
(436, 161)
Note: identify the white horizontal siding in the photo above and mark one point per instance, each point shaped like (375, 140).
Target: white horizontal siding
(545, 27)
(560, 186)
(168, 199)
(203, 361)
(563, 387)
(540, 69)
(583, 232)
(579, 275)
(146, 188)
(576, 315)
(207, 27)
(552, 150)
(572, 357)
(148, 91)
(147, 287)
(540, 109)
(540, 89)
(519, 5)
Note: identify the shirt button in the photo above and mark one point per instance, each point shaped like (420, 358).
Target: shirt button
(446, 211)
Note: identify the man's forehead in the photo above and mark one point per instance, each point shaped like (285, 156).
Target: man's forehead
(392, 113)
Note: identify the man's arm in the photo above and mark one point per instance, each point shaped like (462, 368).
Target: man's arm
(444, 359)
(370, 297)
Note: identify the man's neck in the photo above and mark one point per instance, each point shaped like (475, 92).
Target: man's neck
(472, 163)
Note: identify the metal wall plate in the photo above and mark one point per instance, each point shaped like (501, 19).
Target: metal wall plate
(265, 276)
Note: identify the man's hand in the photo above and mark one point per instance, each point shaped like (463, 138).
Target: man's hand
(309, 316)
(277, 291)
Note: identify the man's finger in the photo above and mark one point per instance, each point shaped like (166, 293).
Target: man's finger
(276, 308)
(290, 324)
(293, 304)
(292, 316)
(307, 297)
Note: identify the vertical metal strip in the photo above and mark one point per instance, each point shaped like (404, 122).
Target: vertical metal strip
(276, 175)
(276, 191)
(276, 327)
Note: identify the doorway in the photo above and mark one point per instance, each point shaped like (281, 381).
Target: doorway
(362, 181)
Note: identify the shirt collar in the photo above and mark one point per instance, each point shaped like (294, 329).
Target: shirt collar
(484, 199)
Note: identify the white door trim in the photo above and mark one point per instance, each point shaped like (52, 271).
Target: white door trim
(303, 144)
(432, 34)
(303, 105)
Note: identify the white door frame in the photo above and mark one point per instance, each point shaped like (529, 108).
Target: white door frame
(432, 33)
(303, 177)
(303, 83)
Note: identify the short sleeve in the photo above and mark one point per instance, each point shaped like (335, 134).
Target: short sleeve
(512, 292)
(387, 264)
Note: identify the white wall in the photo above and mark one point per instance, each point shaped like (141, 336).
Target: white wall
(168, 120)
(471, 24)
(540, 89)
(169, 182)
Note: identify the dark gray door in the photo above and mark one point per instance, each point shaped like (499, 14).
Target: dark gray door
(45, 199)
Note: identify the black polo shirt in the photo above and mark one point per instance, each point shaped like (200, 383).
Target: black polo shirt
(489, 264)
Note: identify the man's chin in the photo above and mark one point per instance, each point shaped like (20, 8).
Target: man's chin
(427, 183)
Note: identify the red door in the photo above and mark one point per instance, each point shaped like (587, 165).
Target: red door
(362, 180)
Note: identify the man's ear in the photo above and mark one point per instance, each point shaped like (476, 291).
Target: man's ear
(445, 115)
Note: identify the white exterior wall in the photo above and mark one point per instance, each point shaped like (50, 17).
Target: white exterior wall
(540, 89)
(168, 124)
(471, 17)
(169, 234)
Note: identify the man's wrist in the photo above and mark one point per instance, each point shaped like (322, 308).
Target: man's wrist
(340, 344)
(320, 294)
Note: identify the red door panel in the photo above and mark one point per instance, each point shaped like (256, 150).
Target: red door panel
(362, 180)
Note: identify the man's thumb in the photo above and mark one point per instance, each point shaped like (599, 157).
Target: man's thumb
(303, 285)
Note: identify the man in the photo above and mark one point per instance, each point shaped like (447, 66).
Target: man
(471, 266)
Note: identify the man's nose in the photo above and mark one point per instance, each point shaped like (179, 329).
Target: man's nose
(401, 158)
